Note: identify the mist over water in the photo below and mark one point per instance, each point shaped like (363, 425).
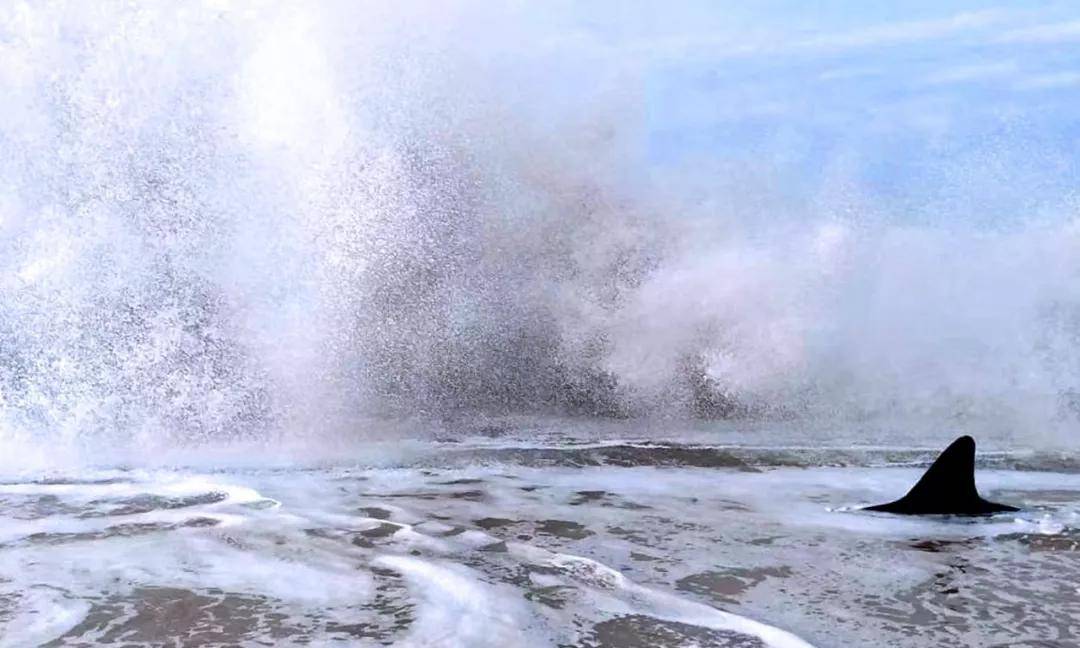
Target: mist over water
(241, 221)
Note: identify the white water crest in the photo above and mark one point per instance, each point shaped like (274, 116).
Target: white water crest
(226, 220)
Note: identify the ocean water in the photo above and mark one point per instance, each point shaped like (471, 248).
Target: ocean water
(479, 541)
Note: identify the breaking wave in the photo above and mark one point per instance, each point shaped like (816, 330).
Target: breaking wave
(221, 221)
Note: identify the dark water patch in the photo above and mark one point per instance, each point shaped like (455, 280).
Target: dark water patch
(763, 542)
(495, 547)
(726, 586)
(76, 481)
(1043, 496)
(806, 457)
(413, 495)
(667, 456)
(1036, 462)
(641, 631)
(678, 525)
(199, 522)
(498, 565)
(729, 505)
(585, 497)
(1068, 542)
(940, 546)
(463, 430)
(460, 482)
(469, 495)
(118, 531)
(466, 495)
(174, 616)
(489, 523)
(553, 596)
(638, 537)
(779, 458)
(374, 512)
(605, 499)
(831, 457)
(146, 503)
(1034, 644)
(261, 505)
(674, 454)
(367, 537)
(9, 602)
(34, 506)
(322, 533)
(563, 529)
(610, 455)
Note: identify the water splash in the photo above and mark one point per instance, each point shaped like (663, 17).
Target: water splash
(226, 220)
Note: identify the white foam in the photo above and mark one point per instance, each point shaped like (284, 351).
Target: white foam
(41, 614)
(298, 553)
(458, 609)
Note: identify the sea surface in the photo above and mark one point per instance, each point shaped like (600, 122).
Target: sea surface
(497, 540)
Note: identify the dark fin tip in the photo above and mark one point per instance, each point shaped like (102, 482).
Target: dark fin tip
(966, 440)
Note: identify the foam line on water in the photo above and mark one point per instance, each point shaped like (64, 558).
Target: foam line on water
(458, 608)
(673, 608)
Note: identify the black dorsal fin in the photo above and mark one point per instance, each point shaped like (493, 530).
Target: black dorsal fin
(947, 487)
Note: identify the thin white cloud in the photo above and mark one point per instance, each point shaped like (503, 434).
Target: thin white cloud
(903, 32)
(1049, 81)
(849, 73)
(1049, 33)
(972, 73)
(727, 46)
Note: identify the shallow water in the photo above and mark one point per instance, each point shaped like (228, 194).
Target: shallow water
(484, 543)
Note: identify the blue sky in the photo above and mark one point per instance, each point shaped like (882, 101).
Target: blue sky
(931, 103)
